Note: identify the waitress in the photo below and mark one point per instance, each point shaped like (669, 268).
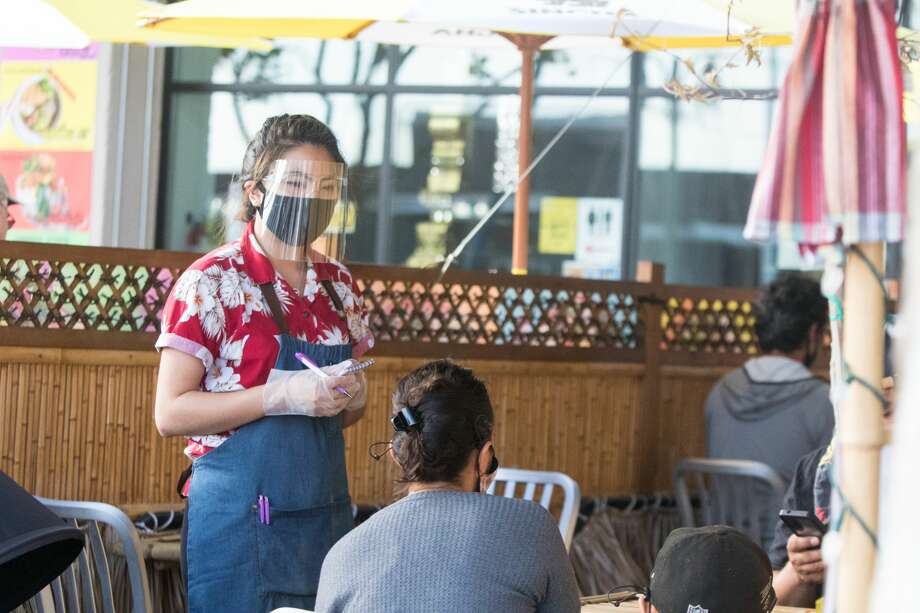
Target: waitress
(267, 490)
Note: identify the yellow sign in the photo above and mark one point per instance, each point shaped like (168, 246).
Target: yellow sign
(51, 105)
(558, 225)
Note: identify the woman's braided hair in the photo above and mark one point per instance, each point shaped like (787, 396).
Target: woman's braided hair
(456, 418)
(277, 135)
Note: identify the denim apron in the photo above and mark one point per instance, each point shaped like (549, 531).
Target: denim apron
(238, 561)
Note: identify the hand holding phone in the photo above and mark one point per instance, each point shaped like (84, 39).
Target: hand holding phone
(803, 523)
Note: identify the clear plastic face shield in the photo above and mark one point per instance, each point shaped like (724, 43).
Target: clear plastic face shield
(303, 212)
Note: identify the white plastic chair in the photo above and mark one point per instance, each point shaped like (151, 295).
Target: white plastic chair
(531, 479)
(76, 590)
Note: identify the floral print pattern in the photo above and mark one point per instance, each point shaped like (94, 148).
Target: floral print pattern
(217, 313)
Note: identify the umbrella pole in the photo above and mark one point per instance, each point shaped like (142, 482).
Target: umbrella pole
(860, 427)
(529, 45)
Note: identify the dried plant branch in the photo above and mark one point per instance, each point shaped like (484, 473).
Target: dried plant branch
(707, 86)
(908, 48)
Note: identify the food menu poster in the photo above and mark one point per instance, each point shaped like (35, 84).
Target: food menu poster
(47, 134)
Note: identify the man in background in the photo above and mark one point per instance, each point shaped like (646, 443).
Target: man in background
(773, 409)
(797, 562)
(6, 220)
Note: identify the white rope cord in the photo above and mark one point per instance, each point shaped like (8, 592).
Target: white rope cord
(453, 255)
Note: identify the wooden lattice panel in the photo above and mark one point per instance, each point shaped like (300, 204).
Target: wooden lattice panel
(123, 290)
(81, 294)
(708, 324)
(477, 313)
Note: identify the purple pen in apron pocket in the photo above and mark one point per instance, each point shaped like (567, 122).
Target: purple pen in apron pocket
(264, 511)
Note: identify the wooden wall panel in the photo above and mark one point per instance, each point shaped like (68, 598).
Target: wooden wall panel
(79, 424)
(682, 424)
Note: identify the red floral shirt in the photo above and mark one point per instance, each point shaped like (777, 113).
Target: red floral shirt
(216, 313)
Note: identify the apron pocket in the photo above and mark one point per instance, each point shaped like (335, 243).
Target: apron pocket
(292, 547)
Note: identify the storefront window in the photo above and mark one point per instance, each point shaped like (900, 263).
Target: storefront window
(455, 155)
(431, 137)
(300, 62)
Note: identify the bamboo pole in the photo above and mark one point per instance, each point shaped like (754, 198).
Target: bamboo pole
(860, 427)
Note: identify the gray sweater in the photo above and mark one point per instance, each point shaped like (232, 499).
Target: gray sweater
(440, 551)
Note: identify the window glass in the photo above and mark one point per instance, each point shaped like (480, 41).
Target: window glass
(307, 62)
(454, 155)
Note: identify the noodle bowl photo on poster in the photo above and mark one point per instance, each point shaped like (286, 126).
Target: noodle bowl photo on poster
(54, 190)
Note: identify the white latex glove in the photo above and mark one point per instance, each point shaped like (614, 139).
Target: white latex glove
(302, 392)
(360, 392)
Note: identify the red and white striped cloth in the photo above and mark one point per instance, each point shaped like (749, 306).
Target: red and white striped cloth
(835, 163)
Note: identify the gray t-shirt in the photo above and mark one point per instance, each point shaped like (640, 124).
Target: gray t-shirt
(450, 551)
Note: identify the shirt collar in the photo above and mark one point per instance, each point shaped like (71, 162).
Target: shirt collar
(258, 266)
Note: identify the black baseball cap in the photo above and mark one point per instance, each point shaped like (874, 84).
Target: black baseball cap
(716, 569)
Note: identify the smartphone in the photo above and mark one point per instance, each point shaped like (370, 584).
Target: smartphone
(803, 523)
(358, 366)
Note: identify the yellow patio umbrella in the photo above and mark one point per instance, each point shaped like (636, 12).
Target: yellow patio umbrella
(272, 18)
(528, 24)
(115, 21)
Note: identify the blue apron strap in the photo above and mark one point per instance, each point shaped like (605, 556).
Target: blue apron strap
(334, 297)
(274, 305)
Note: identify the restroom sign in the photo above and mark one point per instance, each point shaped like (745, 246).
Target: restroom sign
(599, 240)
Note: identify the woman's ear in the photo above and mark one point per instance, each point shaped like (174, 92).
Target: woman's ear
(485, 458)
(252, 191)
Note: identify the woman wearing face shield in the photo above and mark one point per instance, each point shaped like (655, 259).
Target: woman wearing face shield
(267, 489)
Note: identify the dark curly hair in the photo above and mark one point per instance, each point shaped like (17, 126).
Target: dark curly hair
(277, 135)
(788, 308)
(456, 419)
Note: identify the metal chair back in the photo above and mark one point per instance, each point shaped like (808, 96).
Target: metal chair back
(739, 493)
(531, 480)
(86, 586)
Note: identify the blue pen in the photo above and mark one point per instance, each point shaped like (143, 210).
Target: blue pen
(316, 369)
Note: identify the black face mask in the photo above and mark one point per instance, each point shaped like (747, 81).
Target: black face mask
(310, 215)
(811, 354)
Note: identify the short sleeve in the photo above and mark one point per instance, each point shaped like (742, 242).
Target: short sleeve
(359, 328)
(193, 317)
(778, 555)
(799, 496)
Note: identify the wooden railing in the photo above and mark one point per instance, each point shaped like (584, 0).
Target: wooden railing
(602, 380)
(72, 297)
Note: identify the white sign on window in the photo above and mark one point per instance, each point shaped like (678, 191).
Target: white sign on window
(599, 240)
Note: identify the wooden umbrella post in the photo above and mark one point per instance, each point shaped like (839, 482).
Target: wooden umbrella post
(860, 427)
(529, 45)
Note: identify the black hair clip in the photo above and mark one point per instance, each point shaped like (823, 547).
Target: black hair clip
(406, 420)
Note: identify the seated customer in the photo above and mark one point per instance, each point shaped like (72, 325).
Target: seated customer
(797, 563)
(773, 409)
(715, 569)
(447, 546)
